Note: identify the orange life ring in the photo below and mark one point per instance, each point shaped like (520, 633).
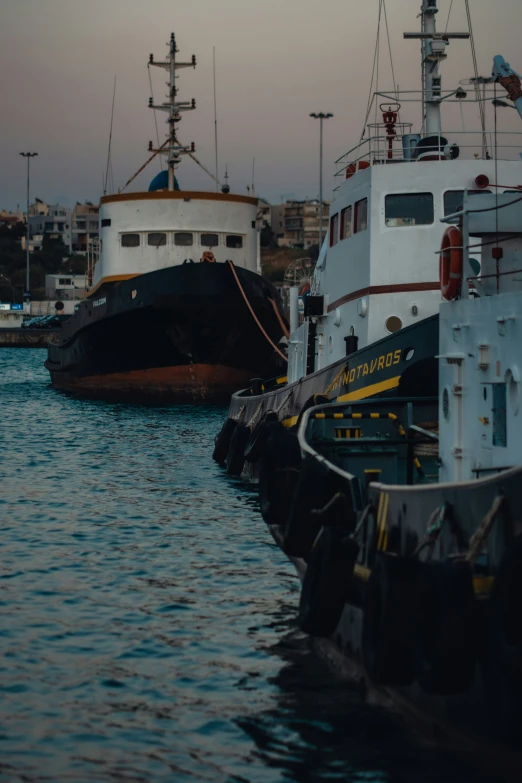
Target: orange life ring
(451, 263)
(357, 166)
(208, 256)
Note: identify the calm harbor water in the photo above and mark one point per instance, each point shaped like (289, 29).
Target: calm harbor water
(148, 622)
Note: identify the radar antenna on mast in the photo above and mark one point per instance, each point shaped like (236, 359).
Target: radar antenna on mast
(174, 150)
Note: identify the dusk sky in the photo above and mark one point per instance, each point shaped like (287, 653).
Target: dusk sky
(277, 61)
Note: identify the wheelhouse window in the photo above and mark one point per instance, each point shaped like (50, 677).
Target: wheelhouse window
(454, 200)
(130, 240)
(210, 240)
(334, 229)
(157, 240)
(361, 216)
(409, 209)
(233, 240)
(346, 223)
(105, 222)
(183, 238)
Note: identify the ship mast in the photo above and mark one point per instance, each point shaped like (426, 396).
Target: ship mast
(433, 50)
(172, 148)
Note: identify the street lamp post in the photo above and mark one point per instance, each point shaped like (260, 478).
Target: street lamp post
(27, 293)
(321, 116)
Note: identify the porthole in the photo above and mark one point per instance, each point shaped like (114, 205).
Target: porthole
(393, 323)
(407, 354)
(134, 293)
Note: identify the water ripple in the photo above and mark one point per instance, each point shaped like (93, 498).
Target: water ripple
(147, 619)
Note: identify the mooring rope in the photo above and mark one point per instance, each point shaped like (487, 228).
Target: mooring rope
(254, 316)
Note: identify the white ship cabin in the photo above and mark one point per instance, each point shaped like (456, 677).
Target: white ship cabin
(144, 232)
(378, 269)
(165, 226)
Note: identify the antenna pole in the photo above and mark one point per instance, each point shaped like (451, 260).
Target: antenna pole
(431, 86)
(174, 109)
(433, 49)
(172, 113)
(110, 140)
(215, 118)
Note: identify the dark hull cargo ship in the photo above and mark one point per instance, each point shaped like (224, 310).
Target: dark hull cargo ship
(180, 334)
(176, 309)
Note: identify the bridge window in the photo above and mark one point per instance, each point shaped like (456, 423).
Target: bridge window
(130, 240)
(210, 240)
(233, 240)
(157, 240)
(346, 223)
(105, 222)
(361, 216)
(183, 238)
(334, 229)
(409, 209)
(454, 200)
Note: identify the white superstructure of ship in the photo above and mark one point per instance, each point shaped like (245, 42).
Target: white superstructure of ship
(376, 272)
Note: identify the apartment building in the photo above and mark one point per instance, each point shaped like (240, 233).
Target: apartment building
(301, 221)
(85, 225)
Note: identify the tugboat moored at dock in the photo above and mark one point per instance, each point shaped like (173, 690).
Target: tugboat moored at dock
(400, 509)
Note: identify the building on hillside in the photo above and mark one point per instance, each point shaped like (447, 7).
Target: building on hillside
(85, 226)
(301, 223)
(270, 215)
(277, 217)
(51, 220)
(264, 214)
(38, 208)
(65, 286)
(11, 218)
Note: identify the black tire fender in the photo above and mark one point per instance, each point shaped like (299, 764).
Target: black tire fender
(448, 626)
(236, 452)
(311, 494)
(390, 643)
(505, 622)
(278, 472)
(327, 581)
(258, 437)
(222, 442)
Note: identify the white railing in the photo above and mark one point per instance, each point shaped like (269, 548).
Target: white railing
(374, 149)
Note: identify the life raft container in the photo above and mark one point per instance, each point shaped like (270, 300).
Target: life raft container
(451, 263)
